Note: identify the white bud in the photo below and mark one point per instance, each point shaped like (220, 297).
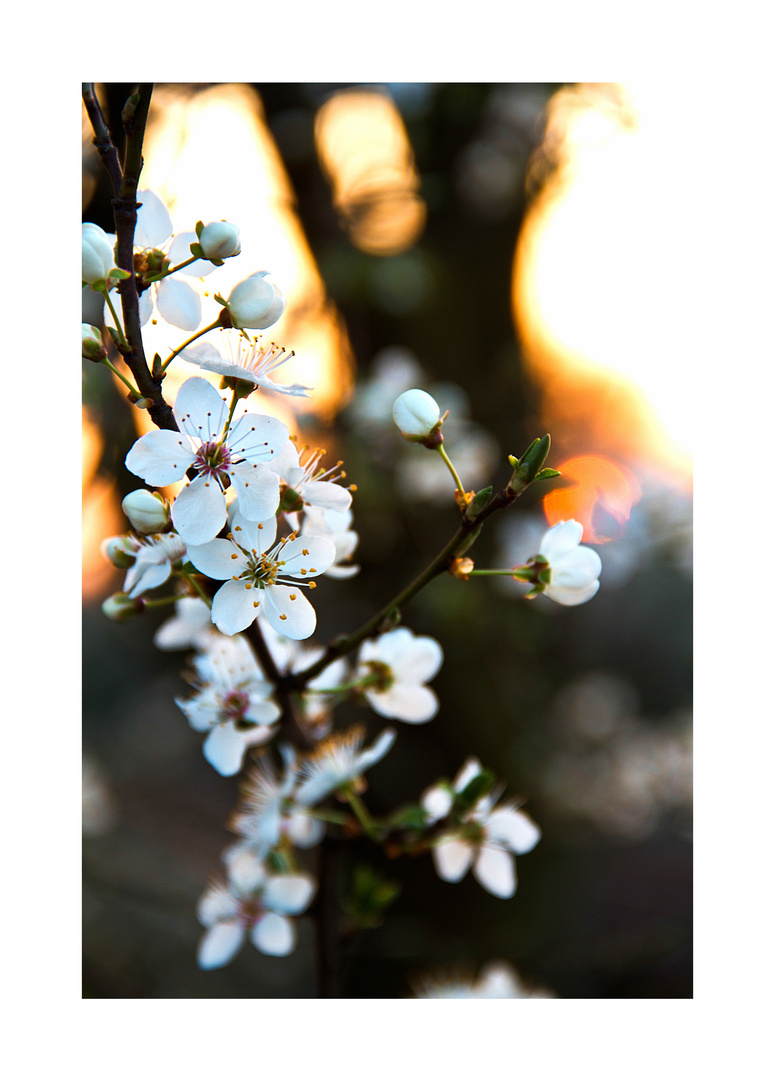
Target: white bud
(146, 510)
(119, 550)
(220, 240)
(91, 343)
(416, 414)
(119, 607)
(256, 302)
(96, 253)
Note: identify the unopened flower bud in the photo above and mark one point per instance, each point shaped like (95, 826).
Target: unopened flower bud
(256, 302)
(96, 253)
(220, 240)
(418, 417)
(120, 608)
(119, 550)
(91, 344)
(147, 511)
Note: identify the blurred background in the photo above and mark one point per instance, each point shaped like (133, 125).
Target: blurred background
(523, 252)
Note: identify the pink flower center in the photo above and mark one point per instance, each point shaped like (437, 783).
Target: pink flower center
(213, 459)
(233, 706)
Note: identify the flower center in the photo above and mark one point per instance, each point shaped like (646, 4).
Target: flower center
(213, 459)
(233, 706)
(262, 570)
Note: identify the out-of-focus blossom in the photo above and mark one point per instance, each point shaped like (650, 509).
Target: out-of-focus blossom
(233, 704)
(255, 904)
(240, 453)
(190, 627)
(335, 526)
(261, 578)
(401, 664)
(496, 980)
(574, 570)
(486, 839)
(339, 760)
(268, 813)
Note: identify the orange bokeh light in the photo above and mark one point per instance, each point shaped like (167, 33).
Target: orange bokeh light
(599, 489)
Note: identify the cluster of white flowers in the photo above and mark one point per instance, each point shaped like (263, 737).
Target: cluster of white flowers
(254, 524)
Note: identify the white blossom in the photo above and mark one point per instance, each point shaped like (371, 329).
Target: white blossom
(176, 301)
(496, 980)
(232, 704)
(402, 664)
(485, 841)
(315, 485)
(237, 453)
(256, 302)
(268, 812)
(263, 576)
(251, 362)
(255, 904)
(335, 525)
(190, 627)
(154, 558)
(574, 570)
(339, 760)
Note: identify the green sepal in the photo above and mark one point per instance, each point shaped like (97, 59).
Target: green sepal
(220, 300)
(478, 503)
(198, 229)
(117, 274)
(474, 790)
(196, 249)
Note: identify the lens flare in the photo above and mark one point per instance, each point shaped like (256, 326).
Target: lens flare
(600, 496)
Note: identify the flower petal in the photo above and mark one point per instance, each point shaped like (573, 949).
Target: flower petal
(154, 224)
(219, 945)
(199, 511)
(513, 828)
(289, 894)
(215, 559)
(178, 304)
(561, 538)
(412, 704)
(295, 619)
(274, 935)
(233, 608)
(200, 410)
(307, 556)
(495, 870)
(160, 457)
(225, 749)
(571, 597)
(257, 489)
(452, 858)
